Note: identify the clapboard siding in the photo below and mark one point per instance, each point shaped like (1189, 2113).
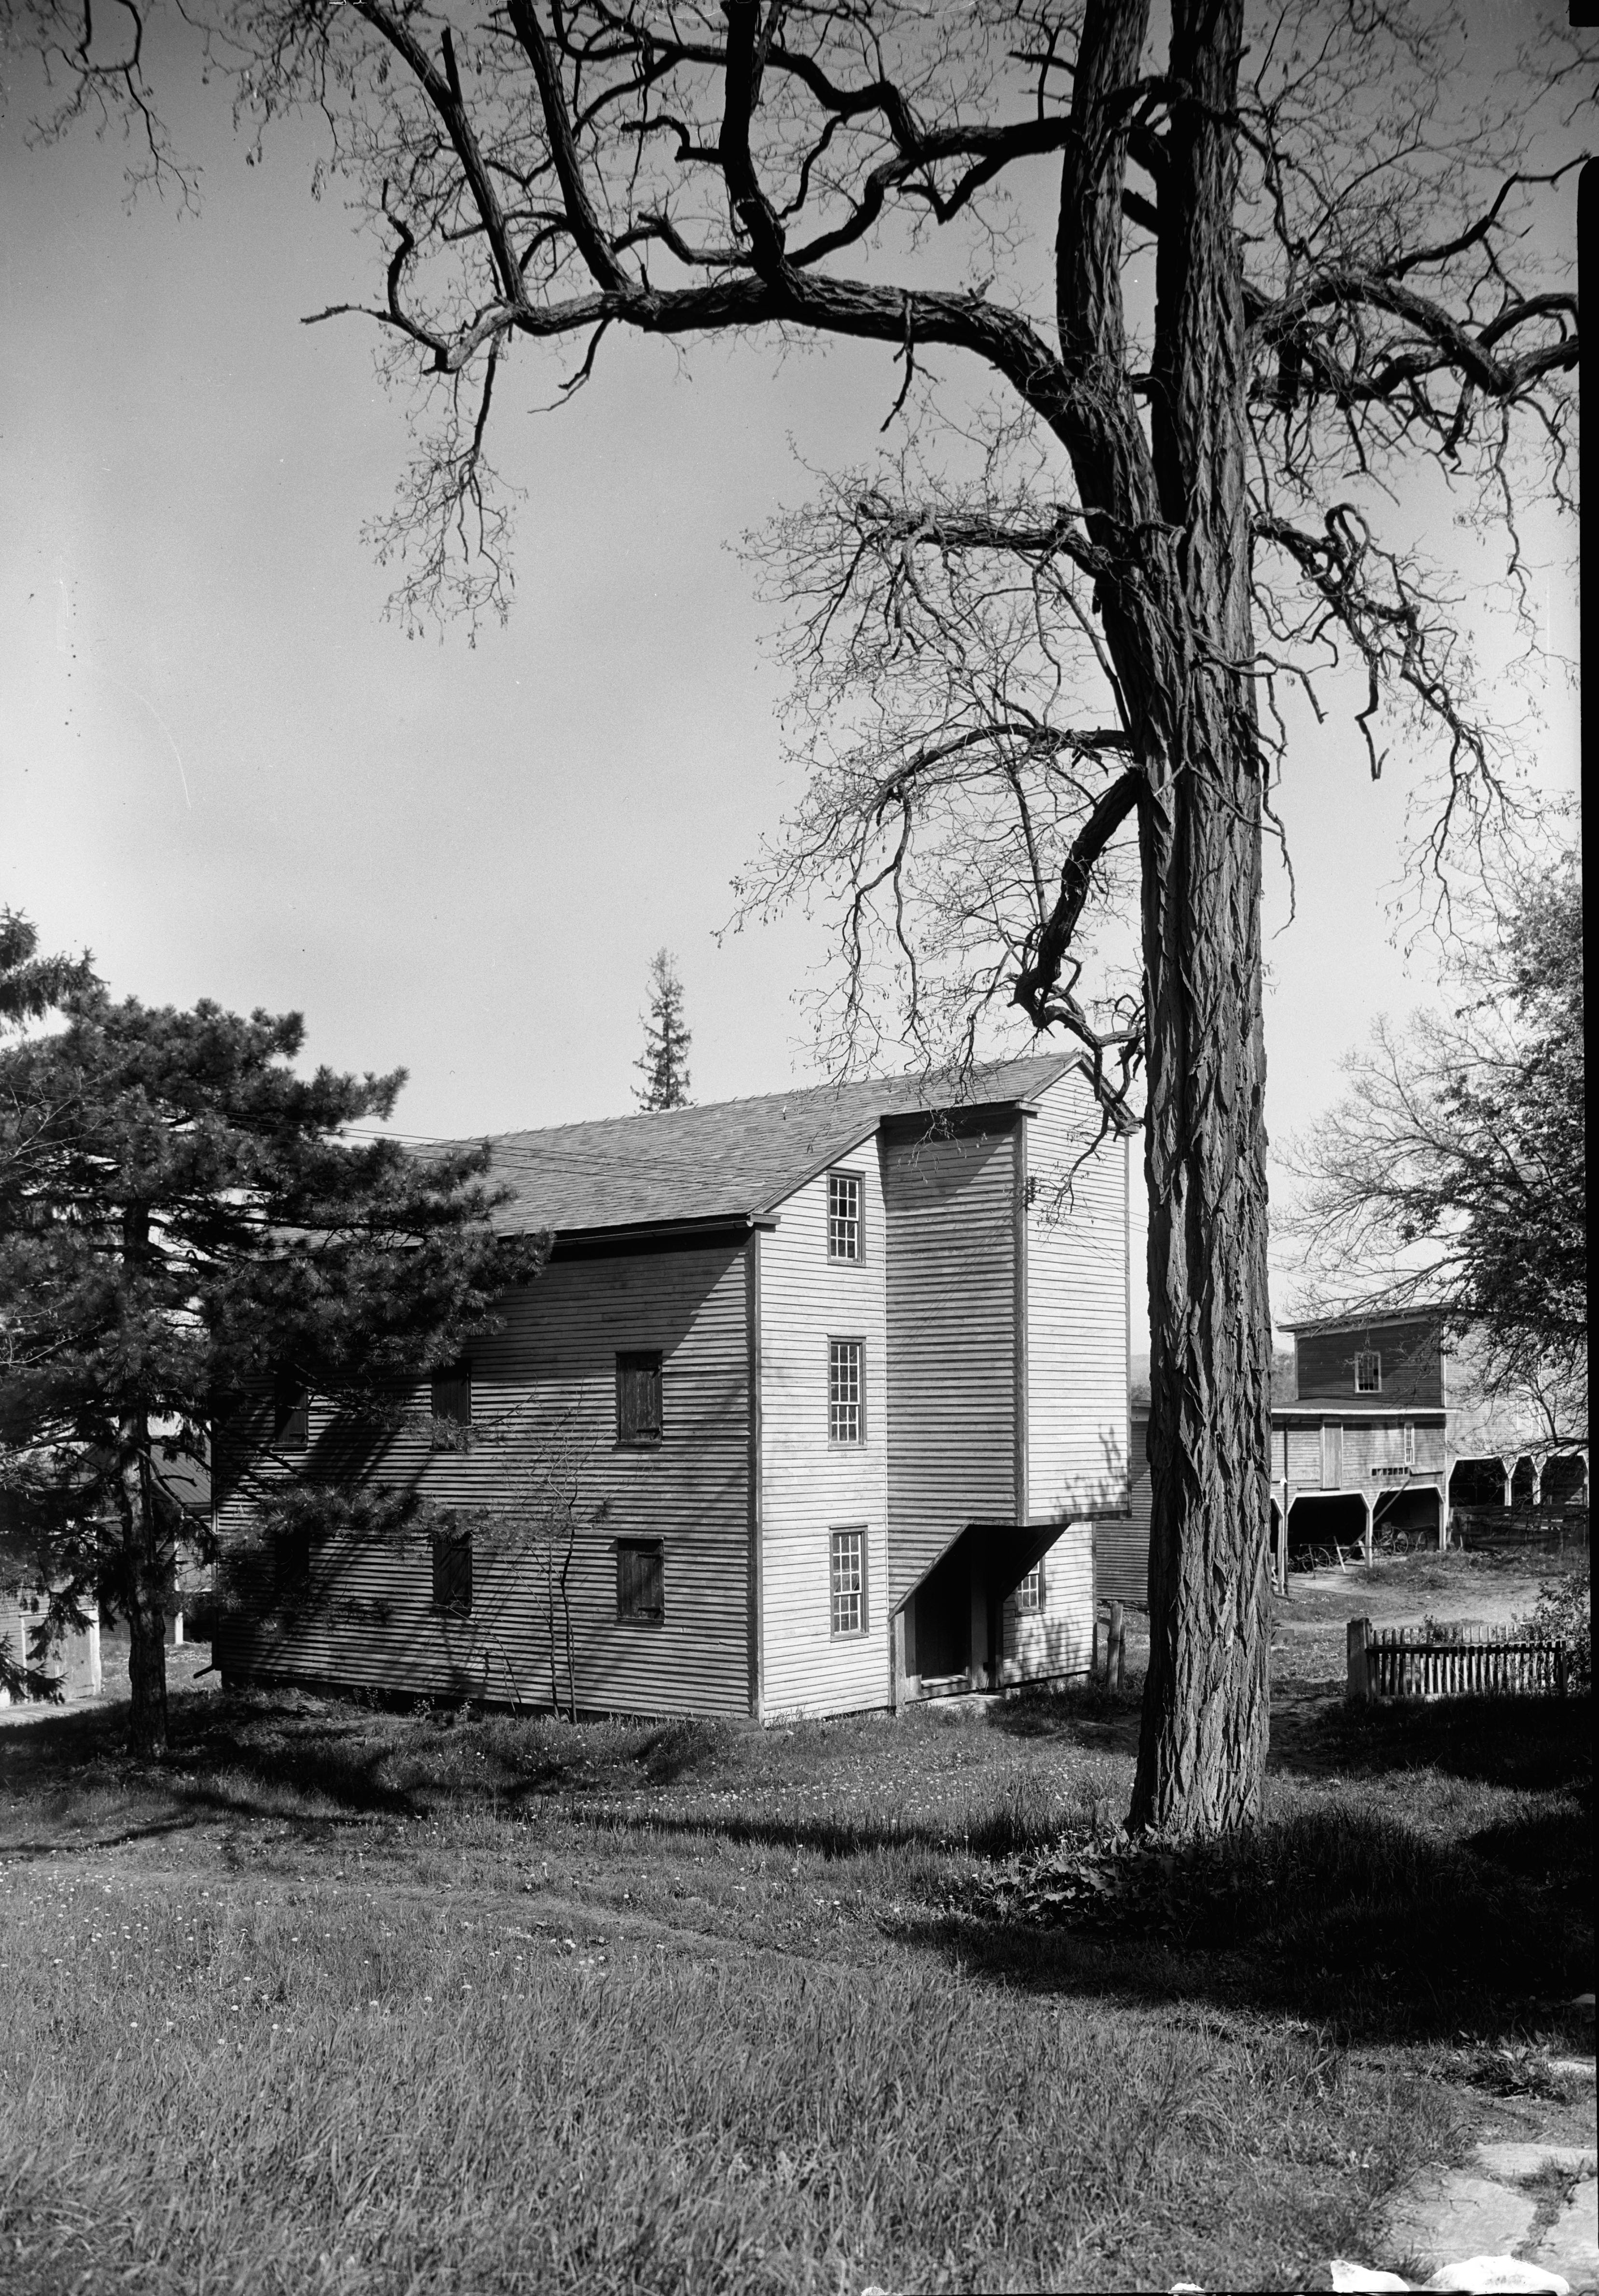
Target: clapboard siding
(810, 1487)
(544, 1385)
(1121, 1545)
(951, 1211)
(1076, 1310)
(1059, 1637)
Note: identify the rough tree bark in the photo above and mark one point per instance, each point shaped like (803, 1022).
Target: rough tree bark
(1180, 634)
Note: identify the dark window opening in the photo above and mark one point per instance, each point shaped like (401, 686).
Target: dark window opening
(640, 1581)
(452, 1573)
(290, 1413)
(451, 1401)
(638, 1420)
(1368, 1374)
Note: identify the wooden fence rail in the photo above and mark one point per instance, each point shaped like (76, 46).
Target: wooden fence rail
(1420, 1662)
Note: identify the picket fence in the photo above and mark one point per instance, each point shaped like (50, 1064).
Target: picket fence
(1466, 1662)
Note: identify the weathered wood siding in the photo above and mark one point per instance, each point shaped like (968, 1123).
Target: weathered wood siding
(951, 1206)
(1121, 1546)
(1077, 1310)
(1412, 1361)
(810, 1487)
(547, 1379)
(1059, 1638)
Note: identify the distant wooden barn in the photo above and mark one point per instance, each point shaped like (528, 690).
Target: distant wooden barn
(1370, 1434)
(816, 1407)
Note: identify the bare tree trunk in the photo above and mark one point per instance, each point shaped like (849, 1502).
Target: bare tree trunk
(1202, 1753)
(141, 1594)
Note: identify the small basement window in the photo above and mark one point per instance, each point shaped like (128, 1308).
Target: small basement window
(640, 1582)
(846, 1383)
(847, 1579)
(638, 1421)
(1368, 1372)
(451, 1402)
(1030, 1593)
(452, 1573)
(844, 1215)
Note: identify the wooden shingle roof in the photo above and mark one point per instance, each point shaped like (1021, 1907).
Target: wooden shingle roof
(731, 1163)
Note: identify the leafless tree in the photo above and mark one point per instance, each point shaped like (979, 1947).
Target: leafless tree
(1286, 261)
(1454, 1172)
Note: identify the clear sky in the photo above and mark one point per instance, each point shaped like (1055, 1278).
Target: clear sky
(223, 770)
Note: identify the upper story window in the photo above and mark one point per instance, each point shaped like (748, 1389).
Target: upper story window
(846, 1390)
(291, 1415)
(638, 1421)
(844, 1215)
(1368, 1372)
(451, 1402)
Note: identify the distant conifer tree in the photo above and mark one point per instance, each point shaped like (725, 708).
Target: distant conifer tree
(664, 1061)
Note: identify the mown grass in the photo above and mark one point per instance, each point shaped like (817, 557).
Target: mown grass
(347, 2000)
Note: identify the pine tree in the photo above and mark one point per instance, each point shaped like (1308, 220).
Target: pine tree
(30, 985)
(183, 1230)
(664, 1061)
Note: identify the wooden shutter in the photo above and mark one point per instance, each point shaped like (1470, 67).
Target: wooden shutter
(638, 1416)
(452, 1572)
(641, 1580)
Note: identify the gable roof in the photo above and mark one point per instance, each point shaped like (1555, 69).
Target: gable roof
(729, 1164)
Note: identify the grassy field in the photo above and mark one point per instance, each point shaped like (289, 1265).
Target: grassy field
(344, 2000)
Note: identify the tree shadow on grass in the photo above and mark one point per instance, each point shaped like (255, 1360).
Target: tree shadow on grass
(1528, 1744)
(1346, 1918)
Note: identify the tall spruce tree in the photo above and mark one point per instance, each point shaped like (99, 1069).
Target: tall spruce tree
(182, 1229)
(664, 1061)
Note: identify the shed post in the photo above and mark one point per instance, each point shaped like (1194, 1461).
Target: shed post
(897, 1659)
(1371, 1517)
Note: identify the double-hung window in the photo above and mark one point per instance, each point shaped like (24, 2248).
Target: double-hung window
(846, 1390)
(847, 1579)
(1368, 1372)
(1030, 1593)
(1410, 1443)
(844, 1215)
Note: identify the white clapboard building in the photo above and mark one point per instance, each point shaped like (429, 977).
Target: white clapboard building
(815, 1406)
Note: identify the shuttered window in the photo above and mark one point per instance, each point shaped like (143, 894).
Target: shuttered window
(846, 1386)
(451, 1403)
(1368, 1372)
(844, 1215)
(452, 1573)
(847, 1579)
(1029, 1594)
(640, 1581)
(290, 1413)
(638, 1421)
